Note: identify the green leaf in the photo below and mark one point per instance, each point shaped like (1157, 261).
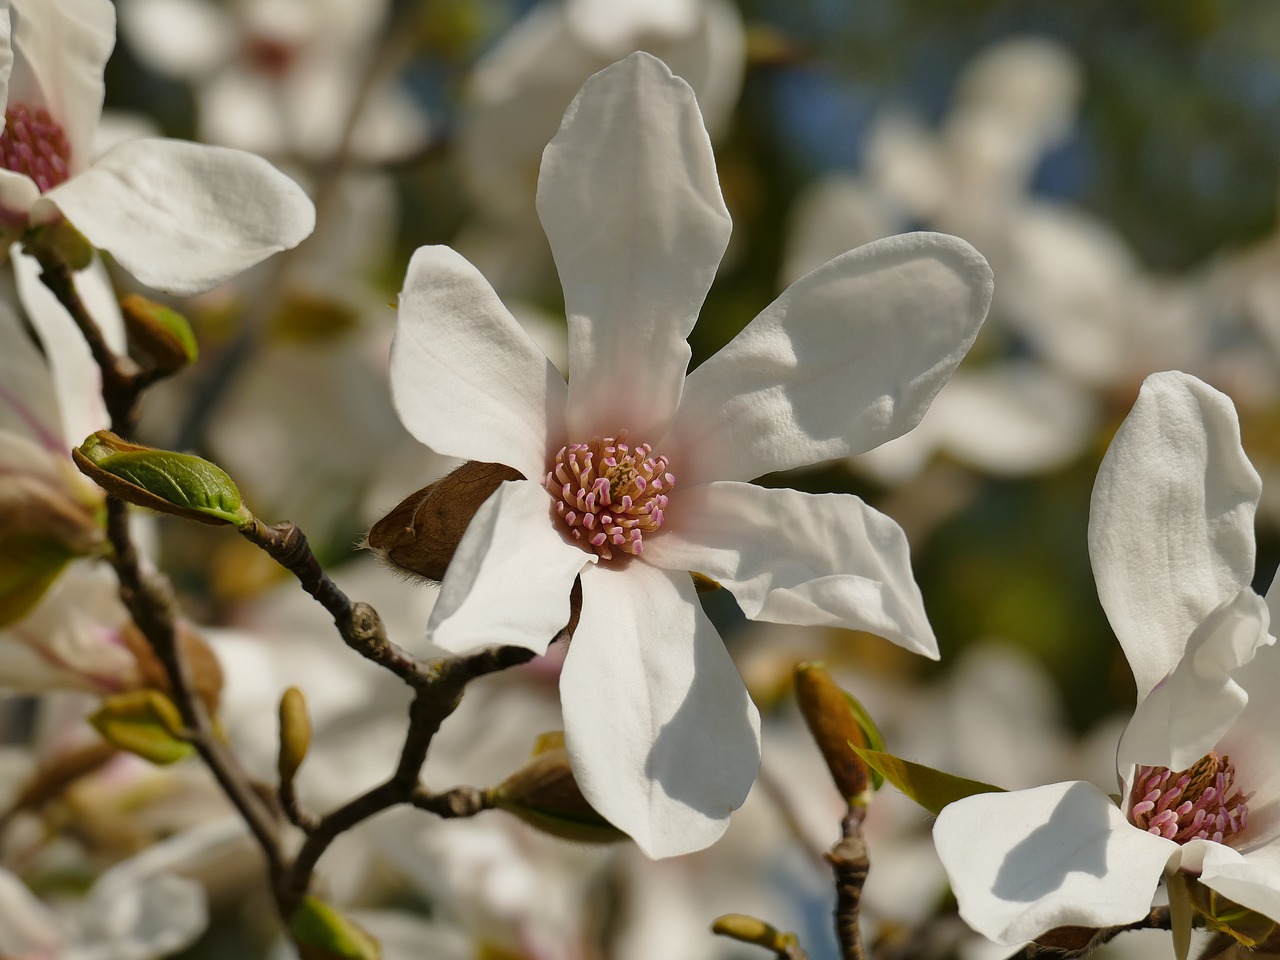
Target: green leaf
(161, 334)
(932, 789)
(322, 933)
(173, 483)
(1245, 926)
(143, 722)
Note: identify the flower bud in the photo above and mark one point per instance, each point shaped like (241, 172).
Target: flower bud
(160, 336)
(544, 794)
(58, 242)
(836, 720)
(44, 524)
(753, 930)
(206, 672)
(295, 733)
(422, 532)
(168, 482)
(322, 933)
(144, 722)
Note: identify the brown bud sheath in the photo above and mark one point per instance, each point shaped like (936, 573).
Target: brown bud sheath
(421, 534)
(834, 725)
(204, 666)
(544, 794)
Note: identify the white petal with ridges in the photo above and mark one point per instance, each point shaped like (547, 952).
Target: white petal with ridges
(466, 379)
(183, 217)
(663, 738)
(630, 201)
(1171, 521)
(1189, 711)
(509, 581)
(791, 557)
(846, 358)
(60, 50)
(1022, 863)
(1254, 749)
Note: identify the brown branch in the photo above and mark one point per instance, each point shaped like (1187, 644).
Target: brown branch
(1080, 941)
(358, 623)
(850, 864)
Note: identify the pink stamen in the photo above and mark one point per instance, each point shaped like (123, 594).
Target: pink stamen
(35, 145)
(613, 488)
(1202, 802)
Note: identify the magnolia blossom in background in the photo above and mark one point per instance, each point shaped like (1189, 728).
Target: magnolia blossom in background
(518, 92)
(279, 77)
(633, 473)
(179, 216)
(1171, 540)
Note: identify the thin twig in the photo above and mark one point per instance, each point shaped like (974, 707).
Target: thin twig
(358, 623)
(1080, 941)
(850, 864)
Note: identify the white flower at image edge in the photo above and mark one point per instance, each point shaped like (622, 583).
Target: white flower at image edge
(180, 217)
(634, 474)
(1172, 545)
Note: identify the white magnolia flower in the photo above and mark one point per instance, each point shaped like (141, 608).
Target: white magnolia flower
(179, 216)
(634, 474)
(1171, 539)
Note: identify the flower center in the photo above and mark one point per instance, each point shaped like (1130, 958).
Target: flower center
(1203, 802)
(33, 144)
(608, 494)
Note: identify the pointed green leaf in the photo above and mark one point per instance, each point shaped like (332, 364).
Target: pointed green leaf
(173, 483)
(1245, 926)
(932, 789)
(1181, 913)
(322, 933)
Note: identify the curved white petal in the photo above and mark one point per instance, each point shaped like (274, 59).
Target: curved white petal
(76, 375)
(1025, 862)
(630, 201)
(6, 56)
(663, 738)
(27, 926)
(1250, 880)
(183, 217)
(846, 358)
(510, 579)
(466, 378)
(18, 194)
(791, 557)
(1187, 712)
(1171, 520)
(60, 49)
(1254, 748)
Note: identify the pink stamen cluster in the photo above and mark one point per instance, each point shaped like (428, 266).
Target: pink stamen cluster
(1203, 802)
(609, 494)
(34, 144)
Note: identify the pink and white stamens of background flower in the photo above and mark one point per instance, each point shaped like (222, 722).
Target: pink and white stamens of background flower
(661, 733)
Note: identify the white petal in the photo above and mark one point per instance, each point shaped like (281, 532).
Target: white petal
(791, 557)
(466, 379)
(27, 926)
(18, 194)
(510, 579)
(1022, 863)
(629, 198)
(28, 396)
(181, 38)
(848, 357)
(183, 217)
(1251, 880)
(663, 738)
(76, 375)
(60, 50)
(1187, 713)
(1171, 521)
(1254, 748)
(6, 55)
